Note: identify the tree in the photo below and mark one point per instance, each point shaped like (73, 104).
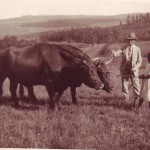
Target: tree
(120, 23)
(137, 19)
(147, 17)
(133, 20)
(128, 20)
(140, 18)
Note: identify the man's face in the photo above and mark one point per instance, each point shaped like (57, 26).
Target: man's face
(131, 42)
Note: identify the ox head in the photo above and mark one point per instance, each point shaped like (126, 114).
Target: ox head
(89, 73)
(104, 73)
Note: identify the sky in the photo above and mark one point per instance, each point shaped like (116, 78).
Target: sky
(18, 8)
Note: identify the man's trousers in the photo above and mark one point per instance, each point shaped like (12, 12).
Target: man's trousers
(126, 76)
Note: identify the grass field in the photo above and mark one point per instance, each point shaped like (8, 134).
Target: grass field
(100, 120)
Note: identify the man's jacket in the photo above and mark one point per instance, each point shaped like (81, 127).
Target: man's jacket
(136, 59)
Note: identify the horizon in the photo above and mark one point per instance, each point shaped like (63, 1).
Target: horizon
(28, 15)
(20, 8)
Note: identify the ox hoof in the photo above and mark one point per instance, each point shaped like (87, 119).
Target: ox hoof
(58, 107)
(52, 106)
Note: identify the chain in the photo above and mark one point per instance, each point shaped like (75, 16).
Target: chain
(127, 76)
(120, 75)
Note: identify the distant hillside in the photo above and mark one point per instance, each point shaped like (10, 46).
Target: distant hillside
(74, 23)
(78, 21)
(40, 18)
(28, 25)
(44, 18)
(140, 24)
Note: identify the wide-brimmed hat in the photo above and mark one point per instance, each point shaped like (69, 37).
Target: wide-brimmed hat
(131, 36)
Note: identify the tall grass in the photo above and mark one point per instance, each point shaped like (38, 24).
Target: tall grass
(97, 122)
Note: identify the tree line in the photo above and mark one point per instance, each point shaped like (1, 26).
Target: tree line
(83, 35)
(138, 23)
(135, 23)
(138, 18)
(17, 42)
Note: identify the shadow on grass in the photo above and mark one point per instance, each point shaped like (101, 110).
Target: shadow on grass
(104, 101)
(66, 103)
(7, 101)
(28, 108)
(113, 102)
(107, 101)
(39, 102)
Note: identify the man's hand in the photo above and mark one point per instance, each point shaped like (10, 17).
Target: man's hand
(117, 53)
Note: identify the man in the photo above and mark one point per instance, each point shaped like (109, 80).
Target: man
(131, 61)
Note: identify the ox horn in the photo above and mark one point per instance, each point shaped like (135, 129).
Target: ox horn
(96, 58)
(109, 61)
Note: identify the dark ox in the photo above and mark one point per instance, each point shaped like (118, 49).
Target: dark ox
(48, 65)
(104, 73)
(75, 81)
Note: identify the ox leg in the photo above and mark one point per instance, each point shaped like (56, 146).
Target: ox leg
(21, 90)
(31, 94)
(53, 96)
(73, 94)
(59, 95)
(1, 85)
(13, 88)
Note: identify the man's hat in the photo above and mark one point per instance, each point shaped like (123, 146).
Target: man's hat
(131, 36)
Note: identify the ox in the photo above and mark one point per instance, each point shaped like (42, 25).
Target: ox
(49, 65)
(75, 81)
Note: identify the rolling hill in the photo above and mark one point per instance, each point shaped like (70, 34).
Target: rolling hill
(34, 24)
(28, 25)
